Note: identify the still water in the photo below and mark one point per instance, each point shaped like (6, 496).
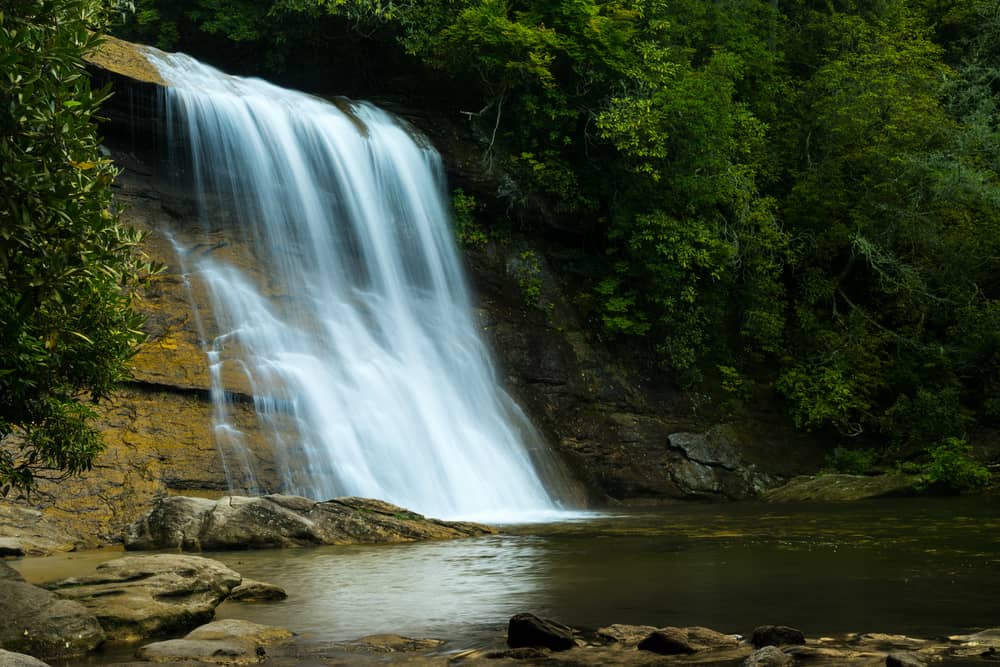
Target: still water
(923, 567)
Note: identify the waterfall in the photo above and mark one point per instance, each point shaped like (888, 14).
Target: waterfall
(354, 322)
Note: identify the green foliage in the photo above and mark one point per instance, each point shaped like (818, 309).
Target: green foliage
(852, 461)
(927, 416)
(950, 469)
(469, 233)
(803, 193)
(527, 269)
(67, 266)
(822, 394)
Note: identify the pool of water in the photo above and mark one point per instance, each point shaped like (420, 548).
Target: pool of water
(924, 567)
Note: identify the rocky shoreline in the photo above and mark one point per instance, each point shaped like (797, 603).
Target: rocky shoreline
(161, 607)
(171, 600)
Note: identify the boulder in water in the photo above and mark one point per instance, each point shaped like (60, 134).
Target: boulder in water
(230, 641)
(527, 630)
(144, 596)
(776, 635)
(627, 635)
(257, 591)
(667, 641)
(239, 522)
(38, 622)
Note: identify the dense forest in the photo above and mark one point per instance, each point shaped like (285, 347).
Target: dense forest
(792, 197)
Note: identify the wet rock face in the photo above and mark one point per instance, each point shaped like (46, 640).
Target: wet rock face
(237, 522)
(144, 596)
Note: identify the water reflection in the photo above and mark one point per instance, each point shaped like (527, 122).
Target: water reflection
(917, 567)
(421, 589)
(924, 567)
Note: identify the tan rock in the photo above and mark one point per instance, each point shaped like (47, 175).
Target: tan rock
(257, 591)
(125, 58)
(216, 651)
(232, 628)
(625, 634)
(38, 622)
(239, 522)
(135, 597)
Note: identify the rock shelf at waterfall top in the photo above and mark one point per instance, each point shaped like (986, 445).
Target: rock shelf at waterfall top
(125, 58)
(274, 521)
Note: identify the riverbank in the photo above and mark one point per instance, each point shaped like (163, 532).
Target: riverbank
(920, 567)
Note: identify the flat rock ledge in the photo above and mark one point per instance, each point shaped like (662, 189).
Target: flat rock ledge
(843, 488)
(231, 642)
(275, 521)
(137, 597)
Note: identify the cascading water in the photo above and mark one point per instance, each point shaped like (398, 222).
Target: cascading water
(362, 334)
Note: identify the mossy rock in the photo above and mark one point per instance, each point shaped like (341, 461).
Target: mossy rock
(842, 488)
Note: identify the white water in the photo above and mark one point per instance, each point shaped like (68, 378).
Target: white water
(363, 335)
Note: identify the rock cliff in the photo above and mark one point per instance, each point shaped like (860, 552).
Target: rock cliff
(625, 439)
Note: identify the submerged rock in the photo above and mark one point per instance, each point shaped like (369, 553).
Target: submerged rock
(238, 522)
(527, 630)
(230, 641)
(389, 643)
(38, 622)
(144, 596)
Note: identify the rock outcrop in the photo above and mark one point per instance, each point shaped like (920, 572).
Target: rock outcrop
(842, 488)
(136, 597)
(25, 531)
(624, 436)
(40, 623)
(237, 522)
